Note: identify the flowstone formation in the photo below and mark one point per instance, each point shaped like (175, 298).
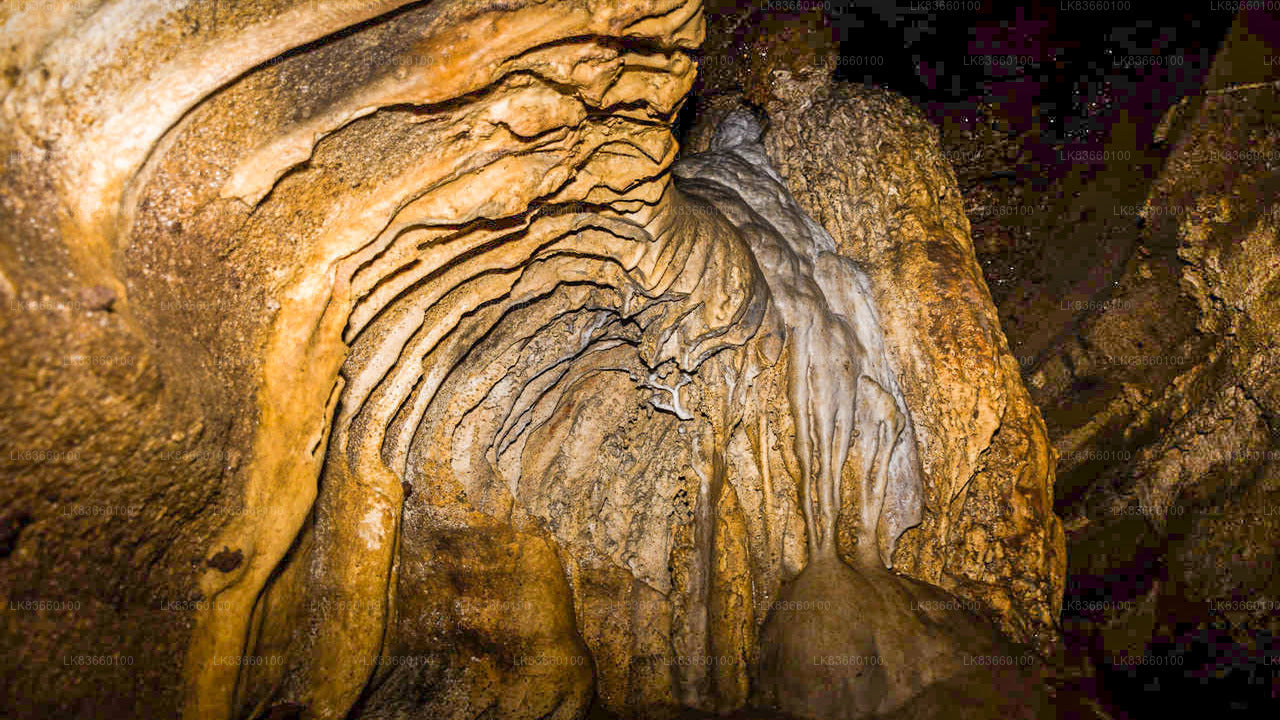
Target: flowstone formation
(843, 395)
(848, 640)
(869, 168)
(431, 393)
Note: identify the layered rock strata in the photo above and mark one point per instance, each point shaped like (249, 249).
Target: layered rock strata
(432, 392)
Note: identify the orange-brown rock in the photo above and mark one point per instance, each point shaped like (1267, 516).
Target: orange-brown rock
(367, 358)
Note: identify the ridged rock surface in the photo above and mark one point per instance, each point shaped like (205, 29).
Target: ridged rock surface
(867, 165)
(366, 357)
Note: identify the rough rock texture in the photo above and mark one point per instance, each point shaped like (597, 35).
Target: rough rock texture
(365, 358)
(844, 394)
(867, 166)
(746, 44)
(849, 154)
(1159, 387)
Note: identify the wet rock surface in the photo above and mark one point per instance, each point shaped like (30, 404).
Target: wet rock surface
(388, 369)
(1151, 352)
(1000, 479)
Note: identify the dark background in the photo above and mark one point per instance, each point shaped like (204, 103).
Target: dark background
(1069, 71)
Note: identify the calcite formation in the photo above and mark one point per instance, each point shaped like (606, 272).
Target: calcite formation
(437, 396)
(867, 166)
(898, 636)
(843, 393)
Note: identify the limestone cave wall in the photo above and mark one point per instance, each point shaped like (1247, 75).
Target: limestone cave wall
(370, 358)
